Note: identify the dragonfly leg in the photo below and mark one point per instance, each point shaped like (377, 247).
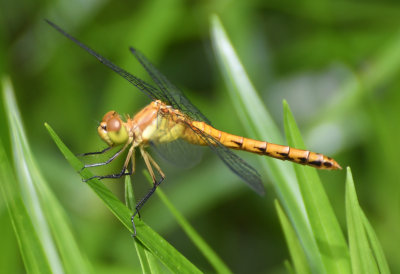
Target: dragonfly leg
(110, 176)
(154, 163)
(148, 161)
(109, 160)
(125, 167)
(133, 161)
(94, 153)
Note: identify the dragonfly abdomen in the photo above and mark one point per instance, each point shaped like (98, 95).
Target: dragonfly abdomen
(300, 156)
(281, 152)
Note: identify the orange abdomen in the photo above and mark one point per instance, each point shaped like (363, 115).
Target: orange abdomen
(299, 156)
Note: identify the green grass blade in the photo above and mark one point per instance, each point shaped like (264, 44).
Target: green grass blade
(325, 226)
(130, 203)
(248, 104)
(159, 247)
(23, 162)
(33, 254)
(143, 254)
(375, 245)
(289, 267)
(129, 194)
(199, 242)
(362, 259)
(153, 263)
(299, 259)
(46, 214)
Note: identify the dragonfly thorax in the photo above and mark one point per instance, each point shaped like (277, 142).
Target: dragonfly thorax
(112, 129)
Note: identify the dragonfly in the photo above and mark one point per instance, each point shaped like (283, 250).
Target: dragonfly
(170, 117)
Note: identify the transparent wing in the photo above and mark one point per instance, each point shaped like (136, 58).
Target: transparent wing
(166, 92)
(179, 153)
(170, 94)
(239, 166)
(148, 89)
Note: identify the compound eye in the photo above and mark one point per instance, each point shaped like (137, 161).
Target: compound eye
(103, 126)
(109, 115)
(113, 124)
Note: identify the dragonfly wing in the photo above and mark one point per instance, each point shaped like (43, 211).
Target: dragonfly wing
(149, 90)
(168, 93)
(178, 153)
(239, 166)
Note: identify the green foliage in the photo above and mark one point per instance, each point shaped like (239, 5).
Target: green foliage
(337, 69)
(324, 225)
(295, 249)
(218, 265)
(32, 252)
(365, 251)
(40, 224)
(315, 241)
(149, 238)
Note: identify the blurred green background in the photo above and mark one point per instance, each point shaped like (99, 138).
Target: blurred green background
(337, 63)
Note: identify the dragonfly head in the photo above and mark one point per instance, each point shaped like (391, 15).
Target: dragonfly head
(112, 129)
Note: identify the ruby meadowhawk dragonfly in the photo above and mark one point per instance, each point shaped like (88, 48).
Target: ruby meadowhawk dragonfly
(171, 116)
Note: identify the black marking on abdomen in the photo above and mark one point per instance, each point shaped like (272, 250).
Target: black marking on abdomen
(285, 155)
(328, 164)
(315, 163)
(262, 149)
(238, 143)
(302, 160)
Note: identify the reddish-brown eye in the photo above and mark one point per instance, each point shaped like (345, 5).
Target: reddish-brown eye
(109, 115)
(114, 124)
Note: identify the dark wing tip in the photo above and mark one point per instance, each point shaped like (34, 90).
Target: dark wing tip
(261, 191)
(132, 49)
(50, 23)
(256, 185)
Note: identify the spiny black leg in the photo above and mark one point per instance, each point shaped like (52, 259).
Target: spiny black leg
(94, 153)
(142, 202)
(106, 162)
(111, 176)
